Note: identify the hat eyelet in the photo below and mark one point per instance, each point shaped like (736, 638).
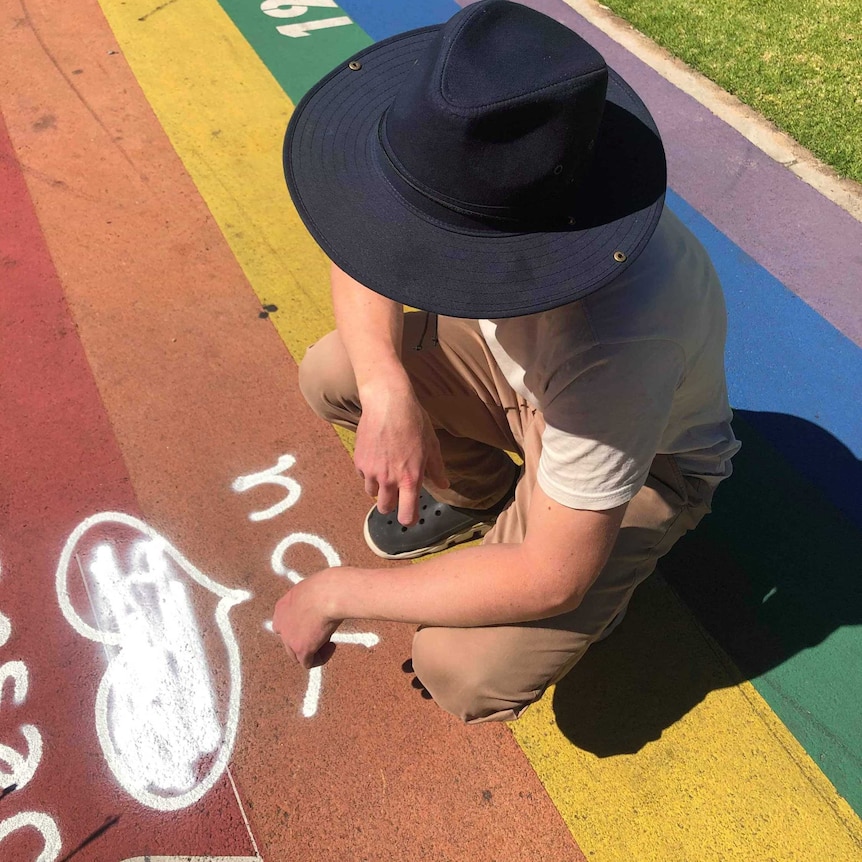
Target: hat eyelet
(558, 170)
(354, 65)
(571, 221)
(620, 256)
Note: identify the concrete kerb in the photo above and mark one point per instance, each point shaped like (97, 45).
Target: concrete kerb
(761, 132)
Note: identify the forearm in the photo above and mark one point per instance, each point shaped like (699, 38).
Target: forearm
(370, 327)
(485, 585)
(547, 574)
(395, 442)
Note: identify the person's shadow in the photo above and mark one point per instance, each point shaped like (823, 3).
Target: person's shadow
(774, 570)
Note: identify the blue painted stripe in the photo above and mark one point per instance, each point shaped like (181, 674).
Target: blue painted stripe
(381, 20)
(784, 358)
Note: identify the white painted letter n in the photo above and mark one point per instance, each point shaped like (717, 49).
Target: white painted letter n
(271, 476)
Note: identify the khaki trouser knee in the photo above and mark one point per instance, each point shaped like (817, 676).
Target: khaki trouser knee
(494, 673)
(327, 382)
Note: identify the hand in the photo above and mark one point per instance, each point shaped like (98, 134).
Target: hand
(302, 624)
(396, 447)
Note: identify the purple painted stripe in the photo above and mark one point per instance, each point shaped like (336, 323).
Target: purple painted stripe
(809, 243)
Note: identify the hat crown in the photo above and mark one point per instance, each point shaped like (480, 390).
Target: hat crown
(500, 115)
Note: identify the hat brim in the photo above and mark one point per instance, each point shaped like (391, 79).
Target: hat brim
(332, 168)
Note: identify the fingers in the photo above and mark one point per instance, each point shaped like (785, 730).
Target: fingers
(408, 504)
(403, 495)
(372, 488)
(394, 473)
(308, 660)
(404, 498)
(387, 497)
(321, 657)
(301, 647)
(386, 493)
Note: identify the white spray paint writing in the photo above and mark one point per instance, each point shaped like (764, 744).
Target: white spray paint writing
(155, 709)
(286, 9)
(5, 629)
(156, 715)
(273, 476)
(43, 824)
(21, 768)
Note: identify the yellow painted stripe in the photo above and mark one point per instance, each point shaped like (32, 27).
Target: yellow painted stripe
(725, 781)
(225, 116)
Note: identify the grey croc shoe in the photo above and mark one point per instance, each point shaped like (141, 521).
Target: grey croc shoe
(439, 527)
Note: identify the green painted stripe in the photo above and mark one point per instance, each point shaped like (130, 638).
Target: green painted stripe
(773, 574)
(296, 62)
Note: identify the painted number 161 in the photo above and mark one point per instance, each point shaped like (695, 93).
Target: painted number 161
(285, 9)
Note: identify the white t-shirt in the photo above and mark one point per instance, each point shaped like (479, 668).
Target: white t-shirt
(635, 369)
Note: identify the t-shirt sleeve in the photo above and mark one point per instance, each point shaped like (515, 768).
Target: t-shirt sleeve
(605, 412)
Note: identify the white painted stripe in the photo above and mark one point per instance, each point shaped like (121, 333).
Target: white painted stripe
(195, 859)
(312, 692)
(366, 639)
(44, 825)
(296, 31)
(242, 812)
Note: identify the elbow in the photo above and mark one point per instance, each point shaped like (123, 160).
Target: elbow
(564, 599)
(559, 588)
(558, 591)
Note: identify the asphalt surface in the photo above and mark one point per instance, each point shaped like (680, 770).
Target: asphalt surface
(163, 482)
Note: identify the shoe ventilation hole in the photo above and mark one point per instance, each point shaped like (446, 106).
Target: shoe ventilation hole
(389, 523)
(437, 512)
(421, 520)
(404, 529)
(424, 507)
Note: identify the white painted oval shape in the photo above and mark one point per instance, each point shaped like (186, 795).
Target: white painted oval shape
(155, 709)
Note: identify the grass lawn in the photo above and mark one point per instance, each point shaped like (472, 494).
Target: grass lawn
(797, 62)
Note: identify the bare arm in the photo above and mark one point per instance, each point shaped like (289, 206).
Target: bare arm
(547, 574)
(370, 328)
(395, 444)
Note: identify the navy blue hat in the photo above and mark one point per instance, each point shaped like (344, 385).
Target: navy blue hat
(491, 167)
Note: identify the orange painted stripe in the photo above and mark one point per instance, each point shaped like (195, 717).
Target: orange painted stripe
(58, 459)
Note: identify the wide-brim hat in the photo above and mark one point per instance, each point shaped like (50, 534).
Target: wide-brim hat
(490, 167)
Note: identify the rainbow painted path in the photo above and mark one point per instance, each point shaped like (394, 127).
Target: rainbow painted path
(161, 482)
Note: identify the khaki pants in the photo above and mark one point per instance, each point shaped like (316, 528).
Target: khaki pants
(494, 673)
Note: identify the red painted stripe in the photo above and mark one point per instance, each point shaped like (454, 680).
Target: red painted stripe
(59, 463)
